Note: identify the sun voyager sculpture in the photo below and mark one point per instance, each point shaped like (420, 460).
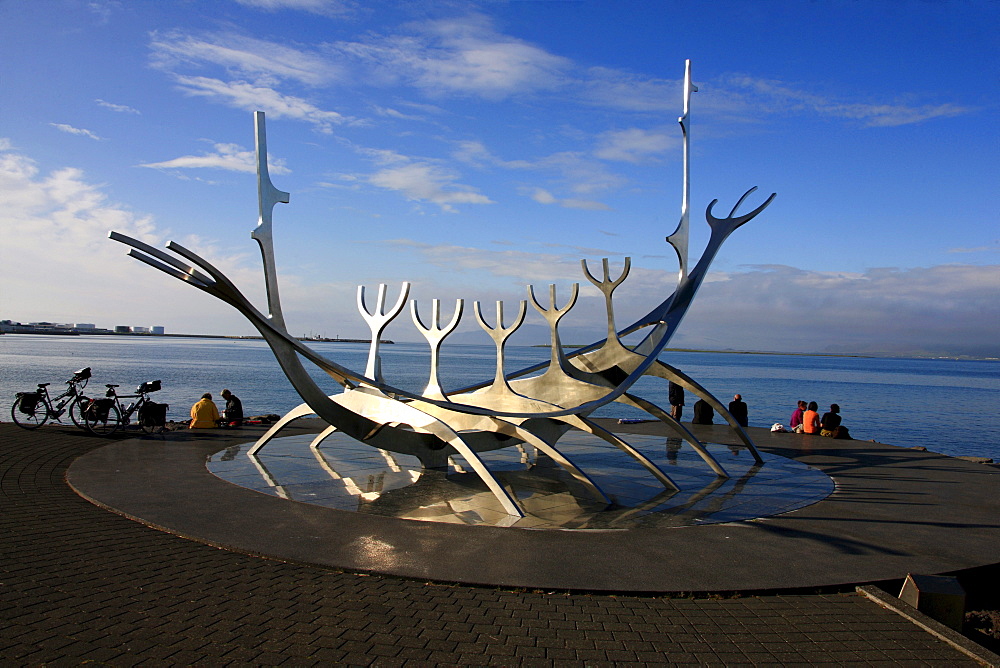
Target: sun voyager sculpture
(535, 405)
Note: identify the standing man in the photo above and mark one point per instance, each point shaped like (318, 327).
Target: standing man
(738, 409)
(675, 395)
(232, 415)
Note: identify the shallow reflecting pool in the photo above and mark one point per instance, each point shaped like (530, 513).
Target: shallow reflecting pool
(345, 474)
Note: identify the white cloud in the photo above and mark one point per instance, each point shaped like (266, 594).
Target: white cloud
(257, 59)
(389, 112)
(103, 9)
(940, 310)
(766, 96)
(582, 175)
(476, 153)
(231, 157)
(946, 309)
(464, 56)
(744, 97)
(249, 97)
(120, 108)
(321, 7)
(995, 248)
(422, 181)
(69, 129)
(634, 145)
(617, 89)
(59, 265)
(383, 156)
(505, 263)
(543, 196)
(579, 173)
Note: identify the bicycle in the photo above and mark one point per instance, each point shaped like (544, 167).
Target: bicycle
(104, 417)
(33, 409)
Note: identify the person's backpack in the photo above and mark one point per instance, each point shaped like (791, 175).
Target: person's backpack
(152, 414)
(27, 401)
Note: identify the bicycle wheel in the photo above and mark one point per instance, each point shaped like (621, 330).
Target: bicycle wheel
(76, 412)
(33, 420)
(99, 425)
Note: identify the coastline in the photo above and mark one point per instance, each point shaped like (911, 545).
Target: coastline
(867, 355)
(148, 335)
(40, 331)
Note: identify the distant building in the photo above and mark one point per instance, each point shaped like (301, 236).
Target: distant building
(122, 329)
(157, 329)
(84, 325)
(140, 330)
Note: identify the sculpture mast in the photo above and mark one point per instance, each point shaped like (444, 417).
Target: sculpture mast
(679, 239)
(267, 197)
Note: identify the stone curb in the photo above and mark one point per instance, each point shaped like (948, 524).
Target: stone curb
(932, 626)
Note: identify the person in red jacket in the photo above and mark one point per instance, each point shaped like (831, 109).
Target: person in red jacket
(810, 419)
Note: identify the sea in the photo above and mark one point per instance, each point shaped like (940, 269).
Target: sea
(950, 406)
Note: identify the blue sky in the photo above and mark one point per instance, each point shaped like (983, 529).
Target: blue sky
(474, 148)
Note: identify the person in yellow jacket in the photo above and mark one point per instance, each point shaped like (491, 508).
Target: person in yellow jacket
(204, 414)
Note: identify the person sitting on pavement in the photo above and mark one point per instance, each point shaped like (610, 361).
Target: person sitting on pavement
(703, 413)
(738, 409)
(796, 422)
(204, 414)
(232, 414)
(830, 422)
(810, 419)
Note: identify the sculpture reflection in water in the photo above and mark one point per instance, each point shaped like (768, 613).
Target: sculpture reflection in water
(353, 477)
(536, 406)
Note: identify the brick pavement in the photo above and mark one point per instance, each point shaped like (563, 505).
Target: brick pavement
(80, 584)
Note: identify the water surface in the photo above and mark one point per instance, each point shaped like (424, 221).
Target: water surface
(947, 406)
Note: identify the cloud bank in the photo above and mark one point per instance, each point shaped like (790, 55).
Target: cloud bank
(946, 310)
(57, 222)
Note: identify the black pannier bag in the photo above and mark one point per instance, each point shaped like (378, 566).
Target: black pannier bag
(152, 414)
(27, 401)
(98, 409)
(151, 386)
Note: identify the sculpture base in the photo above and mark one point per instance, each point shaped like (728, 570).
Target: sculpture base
(895, 511)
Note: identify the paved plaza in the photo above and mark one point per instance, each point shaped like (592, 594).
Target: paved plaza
(81, 584)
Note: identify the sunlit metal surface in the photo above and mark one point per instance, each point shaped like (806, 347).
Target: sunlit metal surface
(535, 407)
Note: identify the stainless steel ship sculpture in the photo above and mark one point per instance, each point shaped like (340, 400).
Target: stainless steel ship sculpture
(535, 406)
